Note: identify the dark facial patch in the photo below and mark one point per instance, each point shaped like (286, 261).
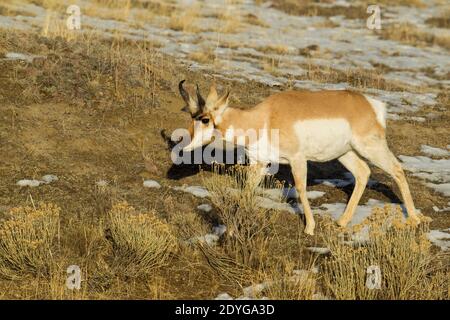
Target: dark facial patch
(203, 117)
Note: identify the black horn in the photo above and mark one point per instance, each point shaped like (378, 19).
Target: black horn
(201, 101)
(183, 92)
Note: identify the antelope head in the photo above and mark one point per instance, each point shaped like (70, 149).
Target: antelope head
(206, 115)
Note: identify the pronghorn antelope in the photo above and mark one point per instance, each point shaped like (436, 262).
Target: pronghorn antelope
(318, 126)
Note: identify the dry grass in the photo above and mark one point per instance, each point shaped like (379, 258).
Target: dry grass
(356, 77)
(55, 26)
(410, 34)
(105, 96)
(206, 56)
(141, 242)
(28, 241)
(254, 249)
(311, 9)
(271, 65)
(184, 19)
(230, 20)
(441, 21)
(254, 20)
(275, 49)
(398, 248)
(110, 9)
(236, 197)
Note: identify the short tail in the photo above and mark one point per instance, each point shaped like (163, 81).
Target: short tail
(380, 110)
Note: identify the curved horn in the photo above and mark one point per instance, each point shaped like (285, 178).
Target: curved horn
(200, 100)
(183, 92)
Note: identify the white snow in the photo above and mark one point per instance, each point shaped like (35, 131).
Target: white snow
(436, 172)
(440, 238)
(335, 210)
(443, 188)
(288, 193)
(433, 151)
(341, 183)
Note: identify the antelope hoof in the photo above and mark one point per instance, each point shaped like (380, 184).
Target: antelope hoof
(342, 223)
(416, 219)
(309, 230)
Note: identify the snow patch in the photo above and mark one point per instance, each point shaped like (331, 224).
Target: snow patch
(440, 238)
(433, 151)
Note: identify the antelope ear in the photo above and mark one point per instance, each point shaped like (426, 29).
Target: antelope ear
(212, 97)
(222, 104)
(185, 109)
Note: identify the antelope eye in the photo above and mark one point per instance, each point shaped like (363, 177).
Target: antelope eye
(205, 120)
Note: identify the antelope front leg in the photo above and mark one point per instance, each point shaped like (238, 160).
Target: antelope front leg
(299, 171)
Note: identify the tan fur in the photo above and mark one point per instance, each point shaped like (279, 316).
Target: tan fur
(284, 108)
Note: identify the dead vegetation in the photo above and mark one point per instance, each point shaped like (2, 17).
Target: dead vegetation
(325, 8)
(442, 21)
(141, 241)
(356, 77)
(105, 96)
(401, 252)
(29, 241)
(410, 34)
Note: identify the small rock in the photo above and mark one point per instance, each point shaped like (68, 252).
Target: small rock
(224, 296)
(211, 239)
(319, 250)
(151, 184)
(102, 183)
(29, 183)
(253, 290)
(195, 190)
(49, 178)
(219, 230)
(205, 207)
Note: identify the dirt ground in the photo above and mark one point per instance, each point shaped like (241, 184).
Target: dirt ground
(95, 109)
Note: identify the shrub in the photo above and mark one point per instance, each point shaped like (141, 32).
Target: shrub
(28, 240)
(141, 242)
(397, 246)
(237, 198)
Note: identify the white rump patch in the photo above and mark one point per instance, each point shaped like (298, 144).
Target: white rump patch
(380, 110)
